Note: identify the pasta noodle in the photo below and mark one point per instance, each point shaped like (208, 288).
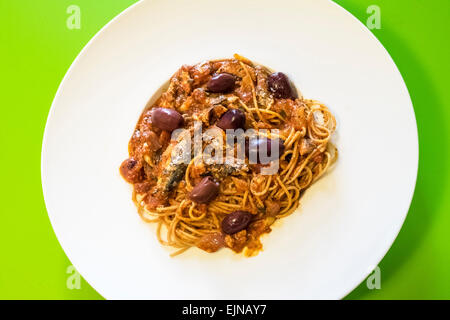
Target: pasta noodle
(305, 127)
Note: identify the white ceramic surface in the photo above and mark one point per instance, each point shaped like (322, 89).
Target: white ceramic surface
(346, 222)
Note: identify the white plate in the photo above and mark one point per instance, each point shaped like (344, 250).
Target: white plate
(346, 222)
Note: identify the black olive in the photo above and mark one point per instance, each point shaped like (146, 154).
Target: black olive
(222, 82)
(280, 86)
(166, 119)
(236, 221)
(205, 191)
(232, 119)
(253, 145)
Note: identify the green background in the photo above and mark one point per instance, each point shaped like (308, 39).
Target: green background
(38, 48)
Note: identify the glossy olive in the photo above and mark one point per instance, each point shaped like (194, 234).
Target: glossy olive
(222, 82)
(253, 145)
(232, 119)
(205, 191)
(280, 86)
(166, 119)
(236, 221)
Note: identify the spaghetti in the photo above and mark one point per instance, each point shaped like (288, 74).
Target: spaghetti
(182, 198)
